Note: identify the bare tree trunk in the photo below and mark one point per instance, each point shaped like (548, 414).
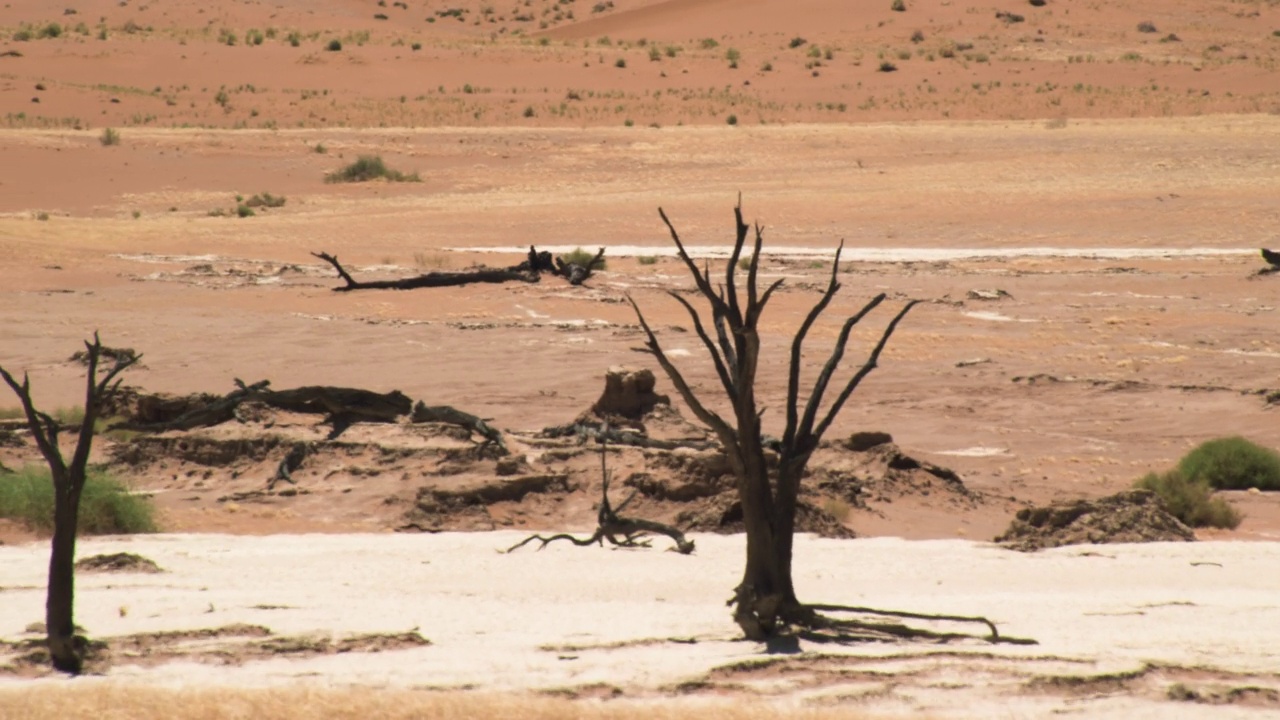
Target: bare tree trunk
(65, 649)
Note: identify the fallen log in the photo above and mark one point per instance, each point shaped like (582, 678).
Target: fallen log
(431, 279)
(452, 416)
(601, 432)
(215, 413)
(341, 406)
(530, 271)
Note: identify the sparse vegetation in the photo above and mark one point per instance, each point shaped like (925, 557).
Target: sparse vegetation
(732, 120)
(366, 168)
(106, 506)
(266, 200)
(898, 6)
(583, 257)
(1038, 3)
(1191, 500)
(620, 63)
(335, 45)
(886, 66)
(1233, 463)
(1147, 27)
(647, 259)
(109, 137)
(796, 42)
(244, 211)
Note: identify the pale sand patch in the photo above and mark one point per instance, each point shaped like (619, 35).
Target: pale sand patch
(568, 617)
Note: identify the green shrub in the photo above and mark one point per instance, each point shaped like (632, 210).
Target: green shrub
(732, 120)
(1191, 500)
(109, 137)
(898, 6)
(106, 507)
(52, 30)
(245, 211)
(648, 259)
(369, 167)
(583, 258)
(1233, 463)
(334, 45)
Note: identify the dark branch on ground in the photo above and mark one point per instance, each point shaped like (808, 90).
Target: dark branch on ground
(618, 530)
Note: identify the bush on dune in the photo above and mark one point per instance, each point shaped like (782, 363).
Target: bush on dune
(106, 506)
(1191, 500)
(1233, 463)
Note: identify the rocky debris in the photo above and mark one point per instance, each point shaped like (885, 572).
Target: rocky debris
(117, 562)
(723, 514)
(628, 393)
(1131, 516)
(115, 355)
(992, 294)
(676, 487)
(865, 440)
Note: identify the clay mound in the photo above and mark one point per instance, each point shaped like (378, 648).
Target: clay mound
(1131, 516)
(118, 562)
(628, 393)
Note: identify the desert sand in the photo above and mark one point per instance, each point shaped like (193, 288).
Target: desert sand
(1105, 172)
(647, 626)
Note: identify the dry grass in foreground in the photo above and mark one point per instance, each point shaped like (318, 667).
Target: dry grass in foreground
(122, 702)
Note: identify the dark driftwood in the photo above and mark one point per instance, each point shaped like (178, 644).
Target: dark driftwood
(290, 462)
(342, 406)
(215, 413)
(575, 273)
(431, 279)
(452, 416)
(618, 530)
(529, 271)
(601, 432)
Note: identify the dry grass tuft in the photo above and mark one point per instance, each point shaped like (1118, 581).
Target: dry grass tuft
(101, 701)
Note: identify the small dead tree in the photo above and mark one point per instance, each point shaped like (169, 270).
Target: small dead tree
(765, 600)
(618, 530)
(66, 648)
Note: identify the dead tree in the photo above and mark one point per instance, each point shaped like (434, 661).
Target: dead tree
(765, 600)
(66, 649)
(618, 530)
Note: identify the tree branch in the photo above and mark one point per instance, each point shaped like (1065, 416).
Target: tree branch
(721, 370)
(833, 362)
(866, 369)
(722, 429)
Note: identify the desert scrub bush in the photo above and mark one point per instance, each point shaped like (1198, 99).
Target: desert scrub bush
(366, 168)
(106, 506)
(244, 211)
(582, 257)
(1191, 500)
(898, 6)
(334, 45)
(732, 120)
(1147, 26)
(109, 137)
(887, 66)
(1233, 463)
(796, 42)
(647, 259)
(266, 200)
